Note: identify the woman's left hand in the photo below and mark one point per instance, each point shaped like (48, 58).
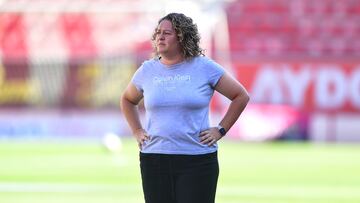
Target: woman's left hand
(210, 136)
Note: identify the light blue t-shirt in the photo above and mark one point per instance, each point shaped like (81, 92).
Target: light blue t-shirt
(176, 100)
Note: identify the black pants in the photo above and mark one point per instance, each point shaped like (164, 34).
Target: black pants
(179, 178)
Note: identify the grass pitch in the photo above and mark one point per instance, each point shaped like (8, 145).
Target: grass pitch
(50, 172)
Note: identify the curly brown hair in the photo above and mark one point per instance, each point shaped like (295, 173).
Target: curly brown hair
(187, 34)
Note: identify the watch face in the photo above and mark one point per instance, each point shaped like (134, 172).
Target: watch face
(222, 131)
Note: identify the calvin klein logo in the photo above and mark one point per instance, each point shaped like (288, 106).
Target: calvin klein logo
(171, 79)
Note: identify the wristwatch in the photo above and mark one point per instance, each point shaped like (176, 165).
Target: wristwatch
(221, 130)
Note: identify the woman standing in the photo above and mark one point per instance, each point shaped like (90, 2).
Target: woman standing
(178, 147)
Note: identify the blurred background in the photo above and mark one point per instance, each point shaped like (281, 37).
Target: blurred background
(65, 63)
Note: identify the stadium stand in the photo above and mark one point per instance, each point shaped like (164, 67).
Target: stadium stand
(281, 28)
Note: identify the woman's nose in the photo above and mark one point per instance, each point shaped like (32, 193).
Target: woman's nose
(161, 36)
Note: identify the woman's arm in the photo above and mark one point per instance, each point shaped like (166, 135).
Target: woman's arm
(129, 101)
(233, 90)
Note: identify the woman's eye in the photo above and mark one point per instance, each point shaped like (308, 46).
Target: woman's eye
(164, 33)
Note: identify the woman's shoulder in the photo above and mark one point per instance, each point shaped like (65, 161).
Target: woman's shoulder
(148, 65)
(203, 60)
(150, 62)
(200, 59)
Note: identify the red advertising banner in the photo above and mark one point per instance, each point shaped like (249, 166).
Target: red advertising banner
(308, 86)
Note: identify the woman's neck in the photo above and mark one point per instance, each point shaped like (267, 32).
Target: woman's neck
(171, 60)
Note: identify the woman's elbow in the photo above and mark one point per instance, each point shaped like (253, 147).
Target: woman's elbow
(129, 99)
(122, 97)
(122, 101)
(243, 96)
(246, 97)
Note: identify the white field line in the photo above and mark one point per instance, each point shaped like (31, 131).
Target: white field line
(239, 191)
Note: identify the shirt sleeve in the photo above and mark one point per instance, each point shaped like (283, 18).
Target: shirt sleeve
(138, 78)
(215, 72)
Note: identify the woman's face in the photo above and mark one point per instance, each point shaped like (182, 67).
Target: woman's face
(166, 39)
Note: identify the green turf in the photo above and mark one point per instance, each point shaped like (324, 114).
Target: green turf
(48, 172)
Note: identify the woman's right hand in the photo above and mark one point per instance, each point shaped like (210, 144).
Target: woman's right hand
(141, 136)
